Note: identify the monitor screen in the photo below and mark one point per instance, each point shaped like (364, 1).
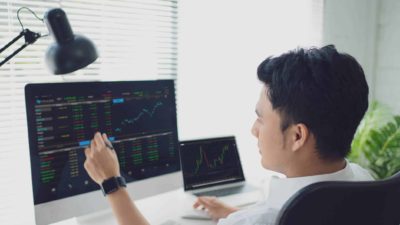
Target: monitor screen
(139, 118)
(209, 162)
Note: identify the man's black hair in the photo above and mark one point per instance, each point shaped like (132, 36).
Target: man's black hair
(321, 88)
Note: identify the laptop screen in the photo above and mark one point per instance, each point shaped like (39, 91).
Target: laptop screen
(210, 162)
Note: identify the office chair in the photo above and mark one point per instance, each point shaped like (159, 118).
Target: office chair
(344, 203)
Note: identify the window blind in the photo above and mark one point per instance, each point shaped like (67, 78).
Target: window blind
(136, 39)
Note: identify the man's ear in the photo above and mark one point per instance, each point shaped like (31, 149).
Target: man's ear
(300, 134)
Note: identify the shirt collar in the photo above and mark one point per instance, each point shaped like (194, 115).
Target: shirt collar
(281, 189)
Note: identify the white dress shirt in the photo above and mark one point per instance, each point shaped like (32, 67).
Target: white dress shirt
(281, 189)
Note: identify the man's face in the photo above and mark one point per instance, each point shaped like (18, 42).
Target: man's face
(271, 140)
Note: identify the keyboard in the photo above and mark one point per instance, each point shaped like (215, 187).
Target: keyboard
(226, 191)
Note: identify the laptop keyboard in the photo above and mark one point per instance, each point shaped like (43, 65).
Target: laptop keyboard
(226, 191)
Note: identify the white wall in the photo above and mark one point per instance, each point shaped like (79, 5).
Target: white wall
(351, 26)
(221, 43)
(369, 30)
(387, 77)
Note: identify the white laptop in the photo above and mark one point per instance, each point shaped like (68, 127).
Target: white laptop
(212, 167)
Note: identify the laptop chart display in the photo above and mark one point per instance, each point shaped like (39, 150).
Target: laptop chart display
(210, 162)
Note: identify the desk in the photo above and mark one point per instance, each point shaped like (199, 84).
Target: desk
(171, 207)
(156, 209)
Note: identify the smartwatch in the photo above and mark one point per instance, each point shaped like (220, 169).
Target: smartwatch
(112, 185)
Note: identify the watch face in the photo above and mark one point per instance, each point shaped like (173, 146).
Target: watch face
(110, 185)
(121, 181)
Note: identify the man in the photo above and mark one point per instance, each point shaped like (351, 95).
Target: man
(309, 108)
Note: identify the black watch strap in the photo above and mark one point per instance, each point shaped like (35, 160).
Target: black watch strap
(112, 185)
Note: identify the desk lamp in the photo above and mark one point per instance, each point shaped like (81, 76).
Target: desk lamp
(69, 52)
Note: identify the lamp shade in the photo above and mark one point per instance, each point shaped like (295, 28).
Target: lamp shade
(69, 52)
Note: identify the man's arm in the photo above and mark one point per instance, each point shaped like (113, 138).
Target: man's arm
(101, 164)
(124, 209)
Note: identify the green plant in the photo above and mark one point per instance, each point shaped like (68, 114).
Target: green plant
(376, 144)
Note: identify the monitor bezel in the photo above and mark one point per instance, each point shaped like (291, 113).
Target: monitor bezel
(93, 201)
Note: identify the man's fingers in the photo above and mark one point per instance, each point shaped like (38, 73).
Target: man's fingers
(99, 140)
(205, 201)
(199, 205)
(87, 152)
(208, 199)
(196, 204)
(107, 141)
(93, 145)
(105, 138)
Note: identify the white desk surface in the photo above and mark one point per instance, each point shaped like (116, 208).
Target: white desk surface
(157, 209)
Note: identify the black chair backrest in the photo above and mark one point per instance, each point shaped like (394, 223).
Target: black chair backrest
(344, 203)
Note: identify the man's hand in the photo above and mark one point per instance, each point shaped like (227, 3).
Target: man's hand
(215, 208)
(101, 161)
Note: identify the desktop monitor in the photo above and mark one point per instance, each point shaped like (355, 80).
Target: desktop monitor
(138, 116)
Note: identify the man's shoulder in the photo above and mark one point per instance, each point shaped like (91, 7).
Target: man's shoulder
(360, 174)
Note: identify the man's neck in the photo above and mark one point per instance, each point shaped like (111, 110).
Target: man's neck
(318, 167)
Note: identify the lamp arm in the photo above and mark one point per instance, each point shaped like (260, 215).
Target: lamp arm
(12, 41)
(30, 38)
